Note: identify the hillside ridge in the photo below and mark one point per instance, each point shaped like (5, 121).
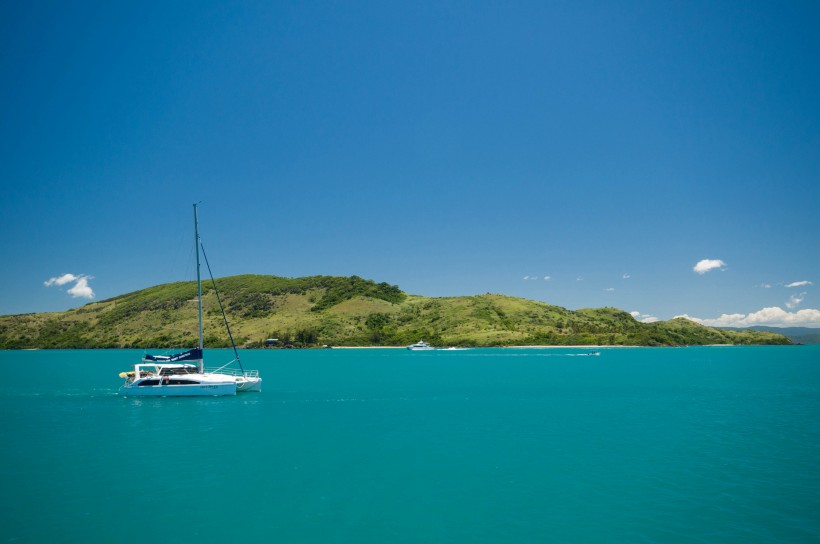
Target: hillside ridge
(343, 311)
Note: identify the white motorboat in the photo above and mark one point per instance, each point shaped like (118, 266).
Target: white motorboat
(421, 345)
(183, 374)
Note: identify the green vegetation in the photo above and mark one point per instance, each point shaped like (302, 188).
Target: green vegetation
(343, 311)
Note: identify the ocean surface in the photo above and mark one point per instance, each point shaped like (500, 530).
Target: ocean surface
(666, 445)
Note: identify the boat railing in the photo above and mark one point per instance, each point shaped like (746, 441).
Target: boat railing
(233, 372)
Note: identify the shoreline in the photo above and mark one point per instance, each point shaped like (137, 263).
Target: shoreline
(499, 347)
(574, 346)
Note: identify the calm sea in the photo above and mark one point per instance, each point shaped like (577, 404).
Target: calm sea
(665, 445)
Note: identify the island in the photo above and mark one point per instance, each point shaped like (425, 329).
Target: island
(320, 311)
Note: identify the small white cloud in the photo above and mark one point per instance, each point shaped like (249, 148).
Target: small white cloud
(579, 278)
(80, 289)
(795, 300)
(60, 280)
(706, 265)
(766, 285)
(803, 283)
(626, 276)
(609, 289)
(547, 278)
(644, 318)
(525, 278)
(772, 317)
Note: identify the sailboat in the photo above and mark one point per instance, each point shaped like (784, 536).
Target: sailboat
(184, 374)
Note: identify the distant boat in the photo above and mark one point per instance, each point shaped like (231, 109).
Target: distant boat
(421, 345)
(594, 353)
(183, 374)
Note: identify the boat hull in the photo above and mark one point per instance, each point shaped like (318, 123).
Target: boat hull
(249, 385)
(193, 390)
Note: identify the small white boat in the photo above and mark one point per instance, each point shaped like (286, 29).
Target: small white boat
(183, 374)
(421, 345)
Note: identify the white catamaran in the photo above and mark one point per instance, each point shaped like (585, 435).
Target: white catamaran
(183, 374)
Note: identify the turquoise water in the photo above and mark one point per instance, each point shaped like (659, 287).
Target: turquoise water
(517, 445)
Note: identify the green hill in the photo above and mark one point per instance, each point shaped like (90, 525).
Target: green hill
(343, 311)
(798, 335)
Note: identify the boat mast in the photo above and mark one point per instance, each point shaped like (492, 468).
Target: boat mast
(198, 287)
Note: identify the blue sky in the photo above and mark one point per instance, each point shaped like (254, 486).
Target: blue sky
(451, 148)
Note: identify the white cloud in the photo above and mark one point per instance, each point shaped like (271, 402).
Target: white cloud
(80, 289)
(795, 300)
(706, 265)
(644, 318)
(60, 280)
(626, 276)
(772, 317)
(579, 278)
(803, 283)
(766, 285)
(547, 278)
(609, 289)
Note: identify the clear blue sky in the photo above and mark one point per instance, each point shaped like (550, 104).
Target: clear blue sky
(451, 148)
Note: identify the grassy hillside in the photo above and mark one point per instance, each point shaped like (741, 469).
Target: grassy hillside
(798, 335)
(347, 311)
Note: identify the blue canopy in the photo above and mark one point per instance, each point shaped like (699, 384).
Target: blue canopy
(190, 355)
